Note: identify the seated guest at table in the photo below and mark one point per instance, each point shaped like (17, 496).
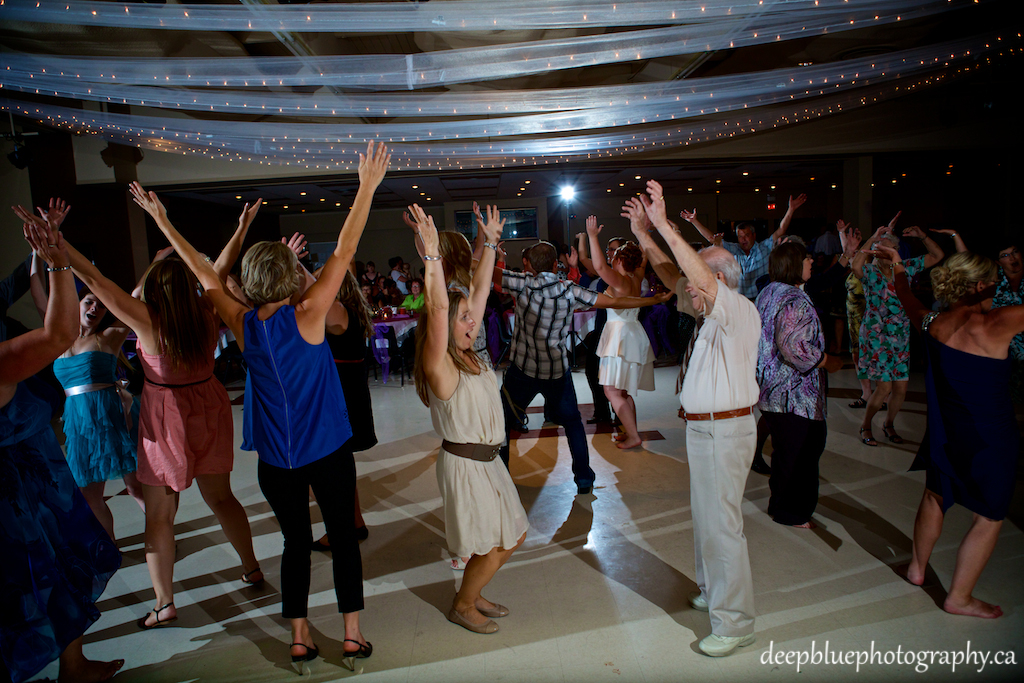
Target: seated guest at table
(971, 445)
(369, 275)
(414, 301)
(398, 274)
(300, 424)
(57, 559)
(483, 516)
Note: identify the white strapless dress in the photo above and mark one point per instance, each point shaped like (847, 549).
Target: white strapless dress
(627, 361)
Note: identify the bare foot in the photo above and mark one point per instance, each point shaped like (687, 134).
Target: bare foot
(973, 608)
(619, 437)
(805, 525)
(88, 671)
(630, 442)
(911, 574)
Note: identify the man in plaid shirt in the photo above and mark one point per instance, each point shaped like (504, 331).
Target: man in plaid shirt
(540, 361)
(751, 254)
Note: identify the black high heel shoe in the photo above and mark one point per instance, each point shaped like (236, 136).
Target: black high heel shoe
(348, 658)
(890, 433)
(303, 664)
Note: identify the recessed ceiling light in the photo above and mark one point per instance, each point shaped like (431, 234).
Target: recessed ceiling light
(322, 199)
(812, 177)
(758, 189)
(522, 189)
(303, 194)
(415, 187)
(238, 196)
(636, 177)
(772, 186)
(718, 181)
(622, 184)
(519, 194)
(526, 182)
(745, 173)
(689, 189)
(337, 203)
(423, 194)
(833, 187)
(286, 206)
(609, 189)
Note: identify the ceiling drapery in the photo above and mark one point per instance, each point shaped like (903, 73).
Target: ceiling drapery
(311, 110)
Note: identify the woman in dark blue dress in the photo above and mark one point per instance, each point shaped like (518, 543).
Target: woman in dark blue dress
(57, 558)
(971, 447)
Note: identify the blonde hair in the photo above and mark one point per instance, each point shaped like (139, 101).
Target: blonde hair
(183, 318)
(269, 273)
(456, 258)
(957, 277)
(455, 297)
(350, 295)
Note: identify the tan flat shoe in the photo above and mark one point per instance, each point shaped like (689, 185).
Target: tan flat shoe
(494, 613)
(487, 627)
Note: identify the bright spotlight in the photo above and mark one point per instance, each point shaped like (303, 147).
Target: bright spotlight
(568, 192)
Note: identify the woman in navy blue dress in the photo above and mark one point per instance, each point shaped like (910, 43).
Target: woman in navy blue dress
(57, 558)
(971, 447)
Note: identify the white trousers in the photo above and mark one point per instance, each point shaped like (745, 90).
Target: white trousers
(719, 454)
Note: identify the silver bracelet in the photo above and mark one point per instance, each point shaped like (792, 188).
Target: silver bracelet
(491, 245)
(57, 270)
(431, 258)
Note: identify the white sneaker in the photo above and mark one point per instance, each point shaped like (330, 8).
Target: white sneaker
(697, 601)
(720, 646)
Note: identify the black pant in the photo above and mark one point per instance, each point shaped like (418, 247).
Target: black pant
(602, 410)
(797, 444)
(333, 479)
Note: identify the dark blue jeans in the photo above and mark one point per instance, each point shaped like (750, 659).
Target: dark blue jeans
(560, 405)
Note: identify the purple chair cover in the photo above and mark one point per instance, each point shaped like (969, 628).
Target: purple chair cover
(493, 333)
(382, 350)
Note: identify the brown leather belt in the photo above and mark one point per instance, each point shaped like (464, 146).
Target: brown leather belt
(724, 415)
(473, 451)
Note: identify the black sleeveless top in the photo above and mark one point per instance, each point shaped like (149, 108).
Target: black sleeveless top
(349, 351)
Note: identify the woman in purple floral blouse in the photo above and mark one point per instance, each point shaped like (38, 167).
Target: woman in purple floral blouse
(790, 362)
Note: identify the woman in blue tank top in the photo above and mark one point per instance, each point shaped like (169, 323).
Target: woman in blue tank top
(299, 419)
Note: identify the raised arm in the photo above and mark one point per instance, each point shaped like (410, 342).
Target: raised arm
(312, 310)
(861, 257)
(584, 258)
(229, 308)
(229, 254)
(691, 218)
(438, 369)
(958, 241)
(601, 266)
(480, 287)
(794, 204)
(37, 285)
(640, 225)
(27, 354)
(935, 253)
(698, 272)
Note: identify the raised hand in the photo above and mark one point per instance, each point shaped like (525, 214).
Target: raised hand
(633, 209)
(410, 222)
(426, 230)
(593, 229)
(477, 213)
(148, 201)
(501, 251)
(297, 243)
(655, 207)
(914, 231)
(574, 258)
(688, 216)
(57, 211)
(493, 226)
(842, 225)
(797, 202)
(249, 213)
(717, 239)
(941, 231)
(848, 238)
(373, 165)
(47, 243)
(892, 223)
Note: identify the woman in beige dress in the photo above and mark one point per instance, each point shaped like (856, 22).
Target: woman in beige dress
(484, 519)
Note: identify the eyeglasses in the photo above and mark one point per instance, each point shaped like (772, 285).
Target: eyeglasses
(1010, 254)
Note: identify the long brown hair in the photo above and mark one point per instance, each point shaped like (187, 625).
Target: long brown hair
(455, 297)
(350, 295)
(456, 258)
(183, 318)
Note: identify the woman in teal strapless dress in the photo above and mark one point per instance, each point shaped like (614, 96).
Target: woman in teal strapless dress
(101, 428)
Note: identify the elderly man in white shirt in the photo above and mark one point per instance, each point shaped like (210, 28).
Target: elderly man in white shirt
(719, 389)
